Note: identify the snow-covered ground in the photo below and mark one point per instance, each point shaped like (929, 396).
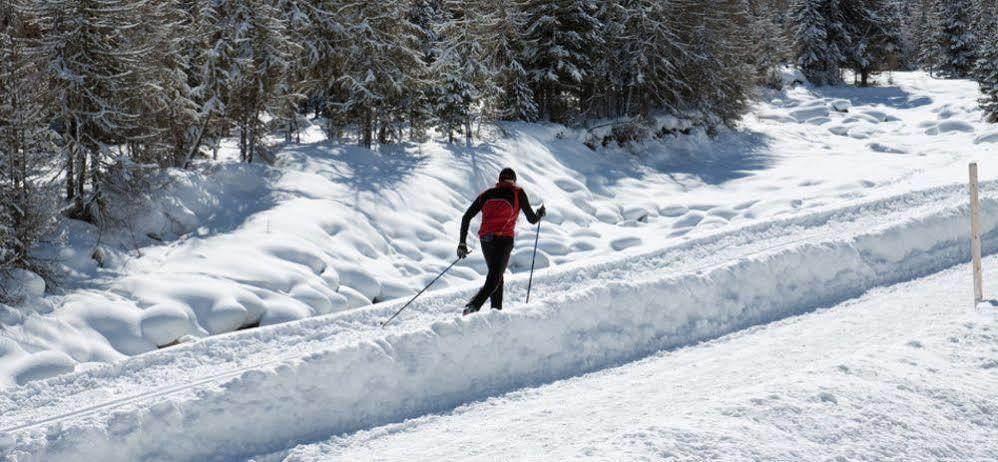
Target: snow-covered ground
(260, 391)
(903, 373)
(332, 227)
(819, 197)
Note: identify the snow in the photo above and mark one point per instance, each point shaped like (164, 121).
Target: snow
(903, 373)
(24, 285)
(334, 227)
(342, 373)
(656, 245)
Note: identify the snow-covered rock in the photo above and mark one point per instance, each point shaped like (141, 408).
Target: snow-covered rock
(163, 324)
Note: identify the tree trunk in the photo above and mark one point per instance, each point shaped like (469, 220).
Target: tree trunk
(368, 128)
(383, 131)
(81, 177)
(251, 138)
(70, 171)
(242, 143)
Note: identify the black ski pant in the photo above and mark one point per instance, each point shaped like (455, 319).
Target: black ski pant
(496, 250)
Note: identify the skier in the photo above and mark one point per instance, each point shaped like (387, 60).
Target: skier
(500, 207)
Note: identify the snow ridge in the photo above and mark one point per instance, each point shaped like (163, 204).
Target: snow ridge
(420, 368)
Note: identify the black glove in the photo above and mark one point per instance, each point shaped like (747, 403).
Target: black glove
(462, 250)
(542, 212)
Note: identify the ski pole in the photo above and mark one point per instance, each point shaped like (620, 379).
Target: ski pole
(530, 281)
(414, 297)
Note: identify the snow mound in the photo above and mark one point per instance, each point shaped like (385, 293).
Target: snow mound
(164, 324)
(840, 105)
(948, 126)
(805, 114)
(989, 138)
(879, 147)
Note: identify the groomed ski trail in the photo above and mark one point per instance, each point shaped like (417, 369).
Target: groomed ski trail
(608, 312)
(902, 373)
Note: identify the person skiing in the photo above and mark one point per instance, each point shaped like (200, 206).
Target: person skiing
(500, 207)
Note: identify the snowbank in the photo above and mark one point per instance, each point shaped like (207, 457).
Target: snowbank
(405, 373)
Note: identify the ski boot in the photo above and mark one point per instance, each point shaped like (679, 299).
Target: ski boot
(468, 309)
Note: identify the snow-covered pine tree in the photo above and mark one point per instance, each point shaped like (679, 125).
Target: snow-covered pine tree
(816, 33)
(914, 29)
(602, 90)
(319, 27)
(677, 56)
(951, 48)
(459, 71)
(168, 117)
(28, 152)
(873, 39)
(986, 71)
(206, 54)
(504, 48)
(718, 73)
(304, 20)
(480, 59)
(452, 96)
(565, 35)
(383, 66)
(424, 15)
(646, 58)
(257, 54)
(770, 48)
(91, 62)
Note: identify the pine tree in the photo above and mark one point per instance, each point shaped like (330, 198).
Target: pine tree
(986, 71)
(873, 36)
(564, 34)
(770, 49)
(452, 98)
(480, 57)
(205, 54)
(168, 117)
(719, 74)
(649, 58)
(27, 148)
(816, 35)
(951, 47)
(91, 61)
(305, 20)
(384, 66)
(914, 32)
(255, 54)
(459, 68)
(504, 48)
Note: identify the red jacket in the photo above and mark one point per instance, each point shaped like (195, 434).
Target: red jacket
(500, 207)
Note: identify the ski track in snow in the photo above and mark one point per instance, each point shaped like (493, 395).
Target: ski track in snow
(341, 373)
(901, 373)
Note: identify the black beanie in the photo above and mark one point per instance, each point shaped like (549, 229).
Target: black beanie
(507, 174)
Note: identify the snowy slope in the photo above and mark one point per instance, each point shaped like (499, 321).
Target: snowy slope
(253, 392)
(332, 227)
(903, 373)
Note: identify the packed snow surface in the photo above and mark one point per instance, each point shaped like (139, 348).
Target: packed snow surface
(232, 396)
(903, 373)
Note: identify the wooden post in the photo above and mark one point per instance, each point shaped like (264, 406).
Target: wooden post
(975, 235)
